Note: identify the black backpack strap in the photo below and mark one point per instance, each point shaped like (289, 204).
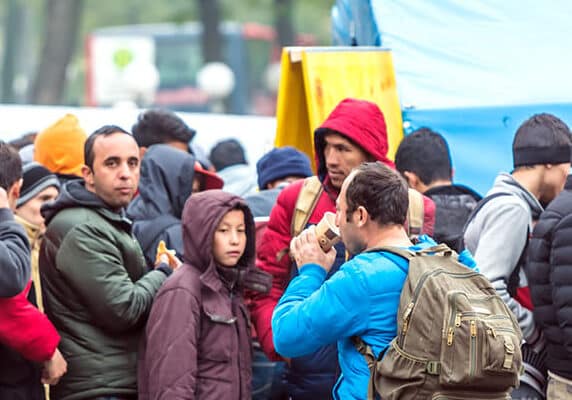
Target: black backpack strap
(472, 215)
(514, 278)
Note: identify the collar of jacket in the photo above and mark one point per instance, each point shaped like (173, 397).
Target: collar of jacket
(568, 185)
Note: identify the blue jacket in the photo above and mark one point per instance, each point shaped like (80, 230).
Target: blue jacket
(361, 299)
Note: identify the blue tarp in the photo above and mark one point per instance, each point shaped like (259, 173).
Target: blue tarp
(472, 70)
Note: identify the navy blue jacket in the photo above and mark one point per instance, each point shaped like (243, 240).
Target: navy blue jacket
(166, 183)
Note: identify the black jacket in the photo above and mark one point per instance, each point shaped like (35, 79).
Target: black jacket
(549, 272)
(453, 204)
(166, 183)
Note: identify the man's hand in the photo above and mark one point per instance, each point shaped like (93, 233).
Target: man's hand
(54, 369)
(166, 256)
(172, 261)
(4, 199)
(305, 249)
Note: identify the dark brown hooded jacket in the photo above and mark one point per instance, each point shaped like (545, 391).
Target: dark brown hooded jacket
(197, 341)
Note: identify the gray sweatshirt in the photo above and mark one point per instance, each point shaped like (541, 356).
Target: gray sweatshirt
(496, 237)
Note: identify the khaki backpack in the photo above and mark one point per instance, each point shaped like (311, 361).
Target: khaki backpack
(456, 338)
(310, 194)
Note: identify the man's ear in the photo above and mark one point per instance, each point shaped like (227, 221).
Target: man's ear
(142, 151)
(412, 180)
(87, 174)
(14, 193)
(362, 215)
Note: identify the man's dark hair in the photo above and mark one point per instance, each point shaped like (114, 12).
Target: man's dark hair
(541, 139)
(227, 153)
(105, 130)
(160, 126)
(10, 166)
(426, 154)
(542, 130)
(381, 191)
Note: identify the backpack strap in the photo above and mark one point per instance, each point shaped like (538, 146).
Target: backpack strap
(305, 204)
(409, 254)
(366, 351)
(415, 213)
(473, 214)
(514, 278)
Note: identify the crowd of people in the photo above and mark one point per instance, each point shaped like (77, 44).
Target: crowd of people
(134, 266)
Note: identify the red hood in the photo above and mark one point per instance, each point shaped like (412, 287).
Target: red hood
(360, 121)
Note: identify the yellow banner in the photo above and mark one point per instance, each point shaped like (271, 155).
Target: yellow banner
(314, 80)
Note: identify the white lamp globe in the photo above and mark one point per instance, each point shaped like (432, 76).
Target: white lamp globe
(141, 81)
(216, 79)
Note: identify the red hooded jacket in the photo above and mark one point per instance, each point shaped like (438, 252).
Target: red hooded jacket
(26, 329)
(363, 123)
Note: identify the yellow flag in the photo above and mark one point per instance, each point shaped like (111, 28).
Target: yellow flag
(313, 80)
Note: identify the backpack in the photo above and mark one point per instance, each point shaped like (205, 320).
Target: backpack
(310, 194)
(452, 212)
(456, 338)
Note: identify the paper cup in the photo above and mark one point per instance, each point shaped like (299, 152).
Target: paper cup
(327, 232)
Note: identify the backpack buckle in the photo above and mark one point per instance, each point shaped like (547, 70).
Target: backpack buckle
(433, 367)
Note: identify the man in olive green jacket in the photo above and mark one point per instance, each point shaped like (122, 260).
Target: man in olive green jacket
(98, 292)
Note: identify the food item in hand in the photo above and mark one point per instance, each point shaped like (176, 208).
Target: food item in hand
(162, 249)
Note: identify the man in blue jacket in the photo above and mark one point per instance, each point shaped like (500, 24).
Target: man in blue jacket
(362, 298)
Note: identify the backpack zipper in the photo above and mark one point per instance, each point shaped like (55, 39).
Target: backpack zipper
(409, 310)
(473, 350)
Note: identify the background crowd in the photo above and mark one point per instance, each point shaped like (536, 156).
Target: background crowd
(135, 266)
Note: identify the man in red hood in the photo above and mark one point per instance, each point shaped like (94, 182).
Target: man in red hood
(355, 132)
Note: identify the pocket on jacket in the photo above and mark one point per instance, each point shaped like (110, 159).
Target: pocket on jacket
(215, 343)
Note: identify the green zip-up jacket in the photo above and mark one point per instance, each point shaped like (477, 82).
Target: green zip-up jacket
(97, 293)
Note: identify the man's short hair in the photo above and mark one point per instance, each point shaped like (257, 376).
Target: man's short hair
(160, 126)
(541, 139)
(227, 153)
(426, 154)
(381, 191)
(105, 130)
(10, 166)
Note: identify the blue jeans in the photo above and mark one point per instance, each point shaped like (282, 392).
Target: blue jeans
(525, 392)
(267, 377)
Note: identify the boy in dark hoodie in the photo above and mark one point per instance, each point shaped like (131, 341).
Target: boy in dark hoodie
(197, 343)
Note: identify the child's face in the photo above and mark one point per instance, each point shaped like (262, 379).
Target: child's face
(230, 239)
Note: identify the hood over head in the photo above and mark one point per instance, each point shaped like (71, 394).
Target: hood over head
(360, 121)
(165, 183)
(59, 147)
(201, 216)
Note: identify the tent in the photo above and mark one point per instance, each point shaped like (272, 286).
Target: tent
(471, 70)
